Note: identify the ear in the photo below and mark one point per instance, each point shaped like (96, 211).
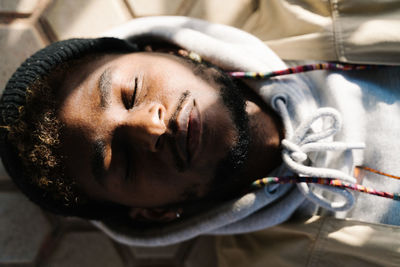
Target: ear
(154, 214)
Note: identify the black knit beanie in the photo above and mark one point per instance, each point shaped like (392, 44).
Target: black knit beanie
(36, 68)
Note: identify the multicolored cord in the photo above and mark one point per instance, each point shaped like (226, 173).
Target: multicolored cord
(300, 69)
(330, 182)
(323, 181)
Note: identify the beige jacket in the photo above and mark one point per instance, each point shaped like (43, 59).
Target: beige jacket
(355, 31)
(317, 241)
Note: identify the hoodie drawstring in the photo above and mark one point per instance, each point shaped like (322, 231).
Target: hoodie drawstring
(299, 142)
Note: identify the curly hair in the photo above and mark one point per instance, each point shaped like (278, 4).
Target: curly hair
(36, 135)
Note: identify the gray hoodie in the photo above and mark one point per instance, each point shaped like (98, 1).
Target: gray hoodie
(333, 122)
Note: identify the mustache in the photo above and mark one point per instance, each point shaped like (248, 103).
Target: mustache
(172, 124)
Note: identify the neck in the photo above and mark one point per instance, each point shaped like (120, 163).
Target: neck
(266, 132)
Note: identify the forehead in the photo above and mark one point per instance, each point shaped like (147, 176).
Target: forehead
(77, 74)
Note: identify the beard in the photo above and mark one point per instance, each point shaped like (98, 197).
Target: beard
(227, 181)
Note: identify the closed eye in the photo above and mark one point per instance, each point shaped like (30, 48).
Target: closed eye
(129, 96)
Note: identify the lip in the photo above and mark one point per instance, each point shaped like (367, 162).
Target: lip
(189, 131)
(194, 132)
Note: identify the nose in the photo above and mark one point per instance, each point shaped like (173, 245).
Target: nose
(145, 125)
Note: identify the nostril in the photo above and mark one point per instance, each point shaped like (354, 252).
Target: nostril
(159, 113)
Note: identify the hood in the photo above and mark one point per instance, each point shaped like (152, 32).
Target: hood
(230, 49)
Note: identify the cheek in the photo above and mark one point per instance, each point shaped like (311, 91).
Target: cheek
(219, 133)
(157, 176)
(115, 189)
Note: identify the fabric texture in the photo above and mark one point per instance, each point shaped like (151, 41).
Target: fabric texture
(317, 241)
(326, 129)
(356, 31)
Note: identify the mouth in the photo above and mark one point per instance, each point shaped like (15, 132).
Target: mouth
(189, 131)
(193, 132)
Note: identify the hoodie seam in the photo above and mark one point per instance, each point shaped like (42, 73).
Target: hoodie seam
(337, 31)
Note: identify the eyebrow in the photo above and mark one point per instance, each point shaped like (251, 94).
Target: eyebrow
(104, 85)
(97, 160)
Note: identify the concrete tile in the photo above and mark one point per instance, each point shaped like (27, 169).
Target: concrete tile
(85, 18)
(18, 6)
(23, 229)
(154, 7)
(229, 12)
(84, 249)
(17, 42)
(202, 253)
(3, 175)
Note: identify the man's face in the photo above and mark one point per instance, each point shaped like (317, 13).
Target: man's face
(145, 129)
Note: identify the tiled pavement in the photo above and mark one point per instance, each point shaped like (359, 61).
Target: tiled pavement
(31, 237)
